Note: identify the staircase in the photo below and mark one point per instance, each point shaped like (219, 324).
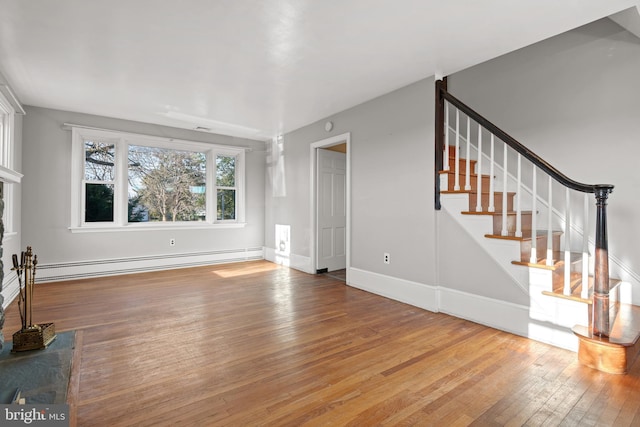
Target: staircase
(534, 222)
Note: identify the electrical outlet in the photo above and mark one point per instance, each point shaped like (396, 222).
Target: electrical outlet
(172, 242)
(387, 258)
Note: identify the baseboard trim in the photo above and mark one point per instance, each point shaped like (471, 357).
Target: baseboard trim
(298, 262)
(117, 266)
(497, 314)
(406, 291)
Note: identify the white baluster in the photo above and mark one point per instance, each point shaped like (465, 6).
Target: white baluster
(504, 191)
(534, 219)
(492, 208)
(479, 172)
(585, 250)
(446, 136)
(549, 222)
(518, 192)
(467, 182)
(567, 245)
(456, 186)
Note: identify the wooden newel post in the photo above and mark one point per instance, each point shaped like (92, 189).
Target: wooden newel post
(601, 273)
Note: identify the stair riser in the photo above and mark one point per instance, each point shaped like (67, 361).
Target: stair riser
(511, 223)
(451, 179)
(497, 202)
(541, 247)
(462, 165)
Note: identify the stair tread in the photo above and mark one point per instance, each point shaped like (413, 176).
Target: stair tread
(473, 191)
(576, 288)
(624, 331)
(558, 261)
(495, 213)
(526, 235)
(576, 282)
(572, 297)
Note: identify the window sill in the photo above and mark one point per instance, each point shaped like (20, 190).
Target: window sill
(156, 227)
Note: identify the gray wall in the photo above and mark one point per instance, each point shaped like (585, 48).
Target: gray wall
(46, 196)
(391, 176)
(392, 163)
(575, 100)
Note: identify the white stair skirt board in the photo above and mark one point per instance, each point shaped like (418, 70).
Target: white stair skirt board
(112, 267)
(502, 315)
(298, 262)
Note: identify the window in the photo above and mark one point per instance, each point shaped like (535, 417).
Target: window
(226, 189)
(137, 181)
(166, 185)
(99, 181)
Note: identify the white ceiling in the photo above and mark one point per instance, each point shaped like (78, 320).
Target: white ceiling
(256, 68)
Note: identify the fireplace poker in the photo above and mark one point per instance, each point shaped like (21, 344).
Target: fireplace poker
(21, 300)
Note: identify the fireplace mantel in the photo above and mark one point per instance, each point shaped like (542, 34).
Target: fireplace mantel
(10, 176)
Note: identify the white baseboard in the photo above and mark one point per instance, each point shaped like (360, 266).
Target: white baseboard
(413, 293)
(502, 315)
(298, 262)
(117, 266)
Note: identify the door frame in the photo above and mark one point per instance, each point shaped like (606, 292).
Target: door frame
(313, 160)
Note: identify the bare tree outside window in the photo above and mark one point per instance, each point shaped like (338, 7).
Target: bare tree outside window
(129, 180)
(166, 185)
(99, 175)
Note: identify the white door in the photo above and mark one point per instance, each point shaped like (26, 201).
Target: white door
(332, 210)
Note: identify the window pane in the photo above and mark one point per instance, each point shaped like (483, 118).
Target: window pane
(98, 203)
(166, 185)
(226, 204)
(99, 161)
(225, 171)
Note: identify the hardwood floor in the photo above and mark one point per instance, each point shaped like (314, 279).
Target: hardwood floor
(258, 344)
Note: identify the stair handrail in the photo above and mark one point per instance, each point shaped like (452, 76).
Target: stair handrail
(600, 326)
(517, 146)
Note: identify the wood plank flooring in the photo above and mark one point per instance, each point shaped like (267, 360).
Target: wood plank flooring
(256, 344)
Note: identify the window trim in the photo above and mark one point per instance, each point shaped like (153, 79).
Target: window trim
(122, 140)
(7, 159)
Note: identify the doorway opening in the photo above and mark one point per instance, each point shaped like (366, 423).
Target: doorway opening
(331, 204)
